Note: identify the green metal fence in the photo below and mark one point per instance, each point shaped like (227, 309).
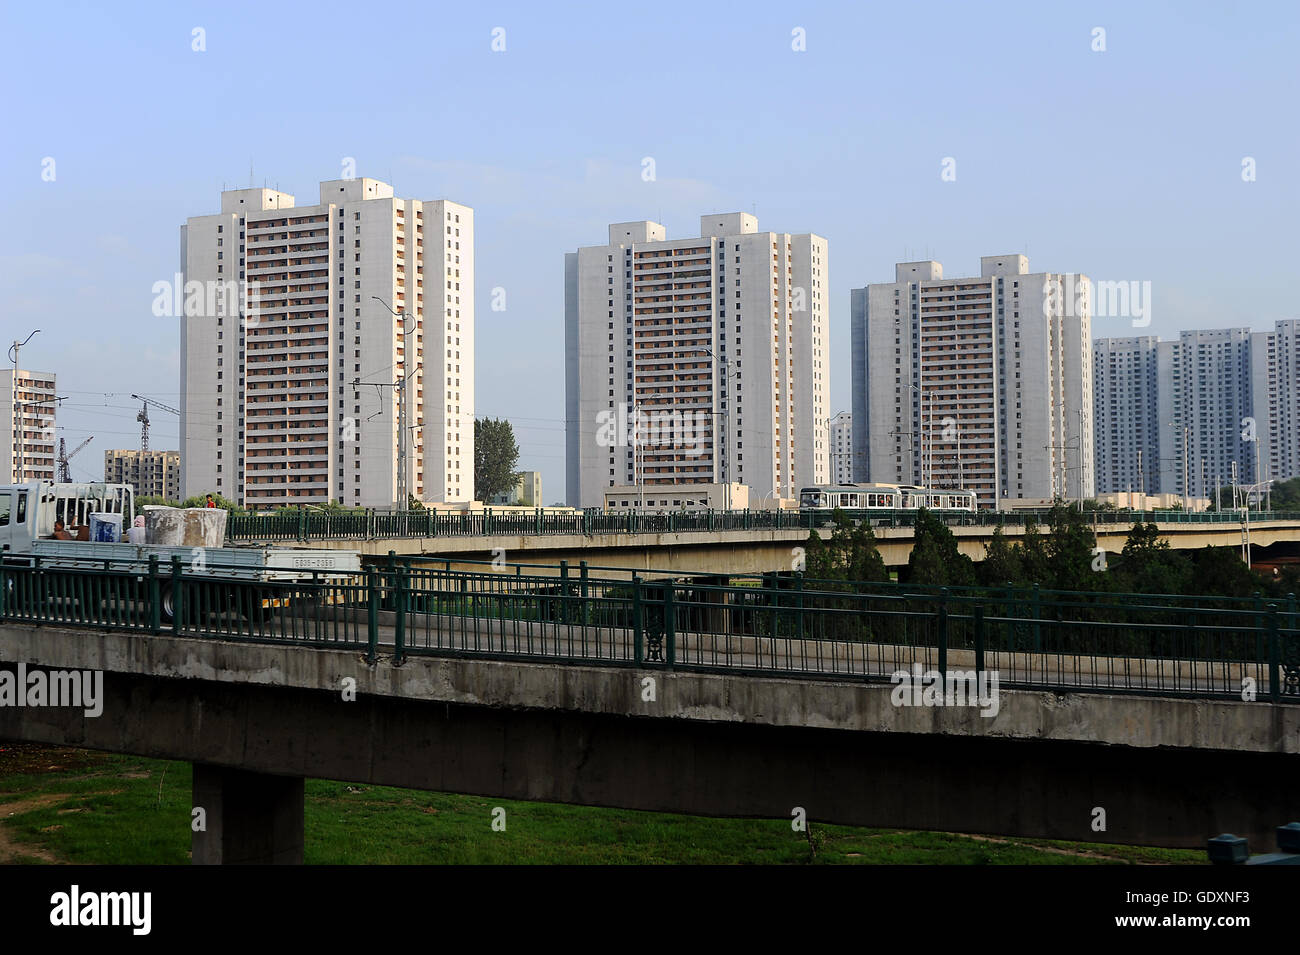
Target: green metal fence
(309, 525)
(780, 626)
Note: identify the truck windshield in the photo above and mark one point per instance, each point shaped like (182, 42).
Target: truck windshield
(6, 502)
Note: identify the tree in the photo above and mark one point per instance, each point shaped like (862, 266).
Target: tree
(1286, 495)
(849, 556)
(1220, 571)
(1002, 562)
(201, 500)
(865, 562)
(1035, 566)
(1070, 545)
(935, 558)
(495, 457)
(1147, 564)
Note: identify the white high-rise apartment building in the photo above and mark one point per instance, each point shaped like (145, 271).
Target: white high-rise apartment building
(1127, 415)
(1204, 398)
(841, 442)
(27, 403)
(1275, 394)
(289, 363)
(983, 383)
(725, 334)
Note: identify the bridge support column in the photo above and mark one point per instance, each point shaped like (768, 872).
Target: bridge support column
(251, 818)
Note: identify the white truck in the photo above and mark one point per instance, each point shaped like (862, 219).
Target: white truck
(37, 517)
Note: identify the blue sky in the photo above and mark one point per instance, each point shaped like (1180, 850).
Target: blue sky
(1123, 164)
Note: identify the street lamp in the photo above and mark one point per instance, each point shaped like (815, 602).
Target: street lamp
(403, 495)
(13, 357)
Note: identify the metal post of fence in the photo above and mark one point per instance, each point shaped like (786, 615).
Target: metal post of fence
(979, 641)
(798, 589)
(638, 644)
(372, 615)
(1038, 626)
(670, 624)
(4, 590)
(1258, 619)
(582, 592)
(155, 607)
(399, 624)
(178, 604)
(943, 633)
(1274, 661)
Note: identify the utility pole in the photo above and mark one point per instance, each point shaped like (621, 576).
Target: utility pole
(1080, 436)
(726, 416)
(1186, 489)
(13, 357)
(403, 494)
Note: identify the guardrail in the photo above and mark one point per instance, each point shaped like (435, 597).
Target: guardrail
(308, 525)
(788, 627)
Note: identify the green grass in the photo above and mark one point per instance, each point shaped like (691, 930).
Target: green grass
(104, 809)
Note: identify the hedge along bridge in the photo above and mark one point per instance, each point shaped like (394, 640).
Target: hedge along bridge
(787, 625)
(731, 542)
(771, 693)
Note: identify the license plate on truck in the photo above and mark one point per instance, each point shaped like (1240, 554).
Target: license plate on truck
(313, 563)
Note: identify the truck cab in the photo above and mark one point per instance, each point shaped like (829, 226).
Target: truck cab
(33, 511)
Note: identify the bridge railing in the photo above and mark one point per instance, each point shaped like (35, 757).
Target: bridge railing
(792, 627)
(310, 525)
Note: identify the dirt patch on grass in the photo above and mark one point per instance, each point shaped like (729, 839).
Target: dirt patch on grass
(9, 850)
(1050, 850)
(23, 759)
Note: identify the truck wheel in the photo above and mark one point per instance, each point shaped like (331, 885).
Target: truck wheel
(167, 610)
(247, 603)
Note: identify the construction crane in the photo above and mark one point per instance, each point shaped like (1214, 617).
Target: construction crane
(65, 475)
(143, 417)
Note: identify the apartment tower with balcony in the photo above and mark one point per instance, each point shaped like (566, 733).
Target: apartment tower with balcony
(725, 333)
(841, 448)
(982, 383)
(1127, 415)
(27, 402)
(1205, 398)
(1275, 397)
(291, 353)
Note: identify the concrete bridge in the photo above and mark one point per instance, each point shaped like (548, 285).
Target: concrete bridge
(1093, 718)
(256, 719)
(762, 550)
